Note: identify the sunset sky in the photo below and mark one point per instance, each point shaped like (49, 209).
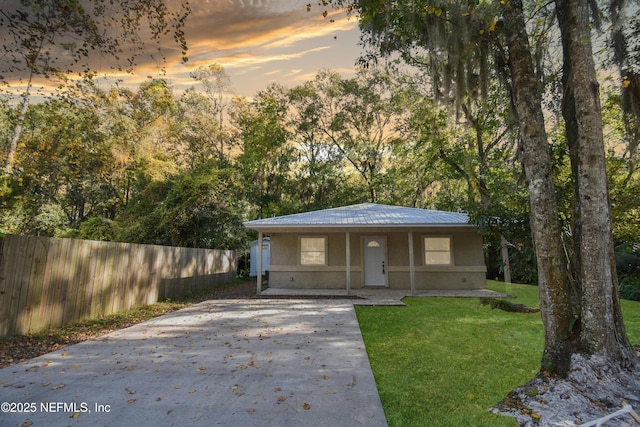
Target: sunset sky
(263, 41)
(258, 42)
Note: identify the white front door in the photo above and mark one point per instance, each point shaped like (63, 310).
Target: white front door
(375, 269)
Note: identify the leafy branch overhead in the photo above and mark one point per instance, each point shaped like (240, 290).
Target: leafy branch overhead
(46, 39)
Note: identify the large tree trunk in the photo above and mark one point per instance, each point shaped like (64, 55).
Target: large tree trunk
(555, 296)
(602, 331)
(585, 339)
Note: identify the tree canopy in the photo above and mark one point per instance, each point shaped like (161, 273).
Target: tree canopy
(462, 47)
(55, 39)
(477, 115)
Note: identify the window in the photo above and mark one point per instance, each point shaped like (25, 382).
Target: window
(437, 251)
(313, 250)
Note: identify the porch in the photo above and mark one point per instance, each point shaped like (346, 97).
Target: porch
(380, 296)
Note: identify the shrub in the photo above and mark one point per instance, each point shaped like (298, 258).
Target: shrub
(630, 288)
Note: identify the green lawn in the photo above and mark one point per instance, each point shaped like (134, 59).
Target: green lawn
(446, 361)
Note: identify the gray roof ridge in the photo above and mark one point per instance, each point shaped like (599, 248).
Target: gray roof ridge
(365, 214)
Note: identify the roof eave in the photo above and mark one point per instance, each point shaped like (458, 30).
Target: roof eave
(285, 227)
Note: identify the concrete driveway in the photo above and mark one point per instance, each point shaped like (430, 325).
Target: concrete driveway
(232, 363)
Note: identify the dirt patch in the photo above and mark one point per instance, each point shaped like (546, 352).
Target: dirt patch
(503, 304)
(592, 390)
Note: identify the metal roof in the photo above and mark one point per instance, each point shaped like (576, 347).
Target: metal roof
(363, 215)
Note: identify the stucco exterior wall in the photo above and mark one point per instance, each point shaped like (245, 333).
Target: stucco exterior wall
(467, 271)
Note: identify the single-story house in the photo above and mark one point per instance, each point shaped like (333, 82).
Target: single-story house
(373, 245)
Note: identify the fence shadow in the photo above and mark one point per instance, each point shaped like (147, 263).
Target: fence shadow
(47, 282)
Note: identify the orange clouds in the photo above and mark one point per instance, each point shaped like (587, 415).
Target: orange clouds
(259, 35)
(256, 41)
(266, 41)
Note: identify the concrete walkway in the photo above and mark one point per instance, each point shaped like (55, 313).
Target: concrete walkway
(262, 362)
(382, 296)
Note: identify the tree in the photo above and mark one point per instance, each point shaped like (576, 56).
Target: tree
(553, 278)
(217, 84)
(451, 39)
(199, 130)
(320, 179)
(64, 167)
(625, 54)
(158, 150)
(602, 331)
(56, 38)
(356, 116)
(266, 153)
(415, 165)
(198, 208)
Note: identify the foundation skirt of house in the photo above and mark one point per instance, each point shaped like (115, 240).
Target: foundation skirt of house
(468, 278)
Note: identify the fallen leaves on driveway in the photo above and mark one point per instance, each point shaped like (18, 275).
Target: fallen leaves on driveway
(22, 348)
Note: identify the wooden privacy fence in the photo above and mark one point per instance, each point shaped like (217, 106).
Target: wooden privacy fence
(47, 282)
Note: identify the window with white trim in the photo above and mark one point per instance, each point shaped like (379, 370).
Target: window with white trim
(437, 250)
(313, 250)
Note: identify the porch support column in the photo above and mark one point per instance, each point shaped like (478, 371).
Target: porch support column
(412, 269)
(348, 261)
(259, 267)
